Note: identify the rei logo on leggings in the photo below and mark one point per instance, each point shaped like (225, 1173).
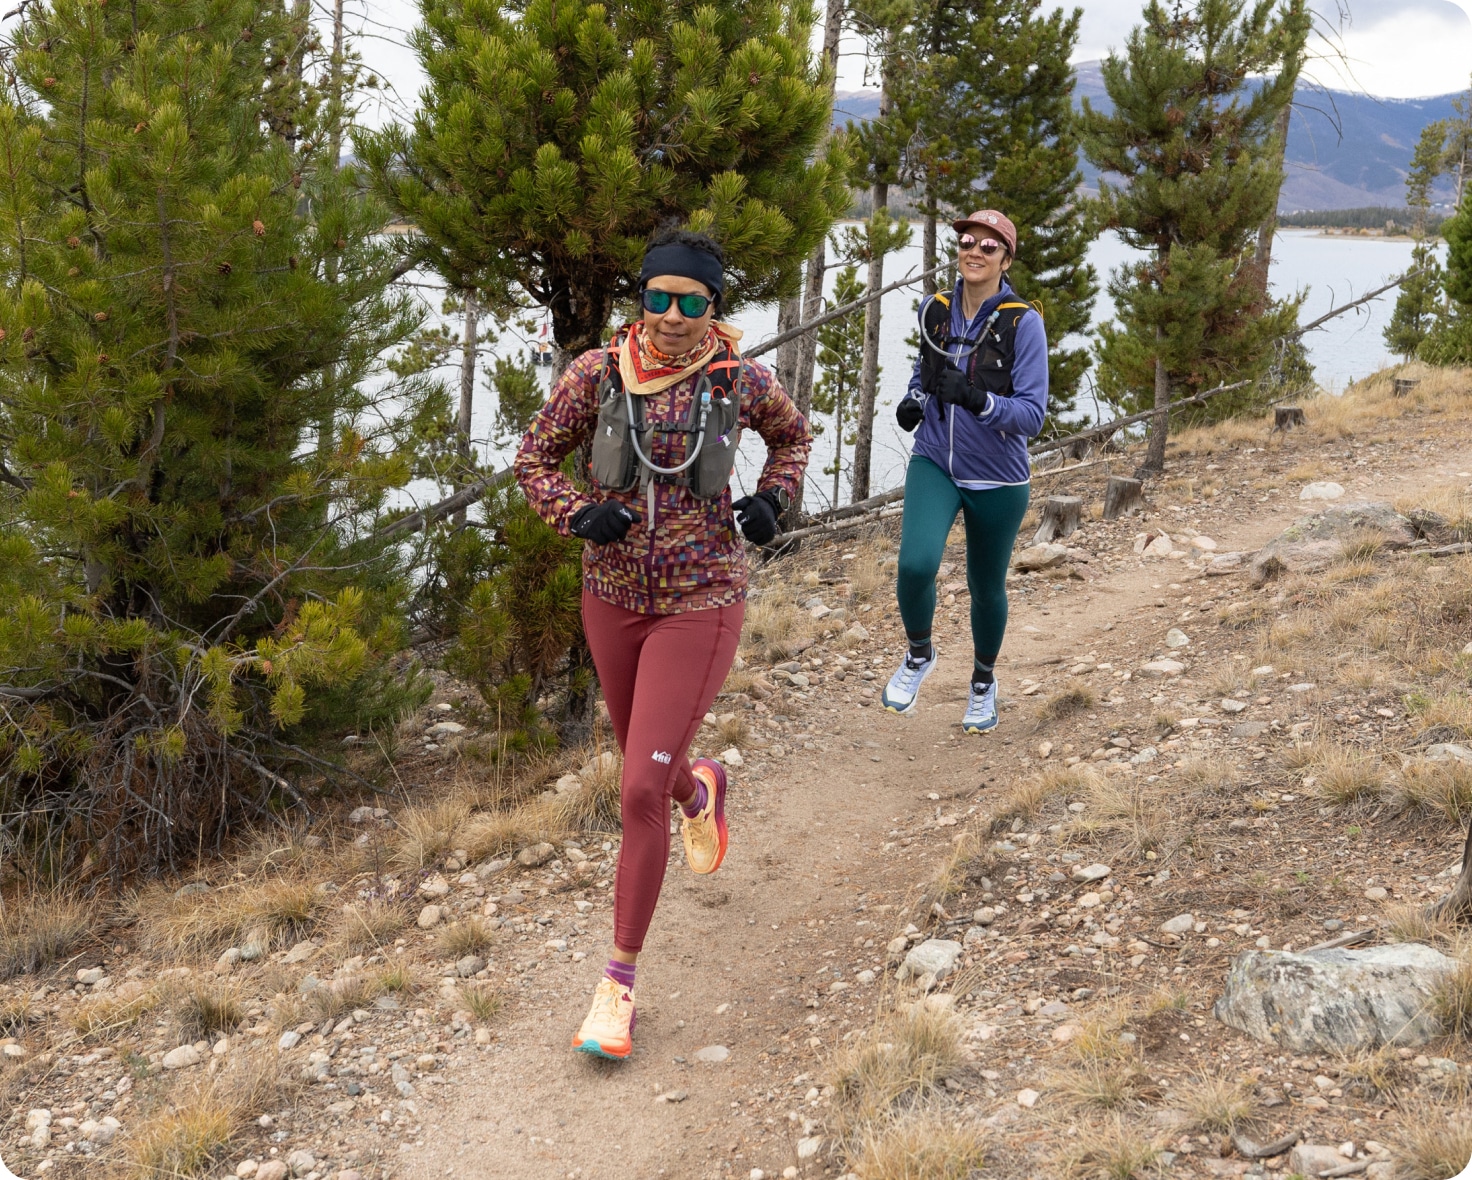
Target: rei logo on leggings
(661, 756)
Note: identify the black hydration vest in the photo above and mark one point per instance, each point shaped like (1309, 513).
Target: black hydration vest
(714, 425)
(989, 365)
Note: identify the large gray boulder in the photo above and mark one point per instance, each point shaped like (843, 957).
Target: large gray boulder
(1315, 542)
(1336, 1001)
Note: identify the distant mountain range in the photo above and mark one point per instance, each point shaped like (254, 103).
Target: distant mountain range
(1344, 150)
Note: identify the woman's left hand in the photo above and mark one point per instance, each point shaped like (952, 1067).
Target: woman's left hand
(953, 388)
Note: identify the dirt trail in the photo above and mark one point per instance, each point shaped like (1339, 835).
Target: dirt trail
(815, 868)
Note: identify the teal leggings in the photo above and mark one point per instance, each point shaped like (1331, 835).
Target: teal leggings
(992, 520)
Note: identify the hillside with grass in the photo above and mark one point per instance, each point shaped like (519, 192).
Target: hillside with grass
(1202, 753)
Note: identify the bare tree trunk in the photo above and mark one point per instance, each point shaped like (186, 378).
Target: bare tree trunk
(1263, 259)
(812, 295)
(1155, 456)
(869, 373)
(789, 315)
(928, 247)
(837, 444)
(467, 394)
(326, 428)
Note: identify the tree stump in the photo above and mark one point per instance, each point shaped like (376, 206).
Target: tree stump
(1122, 496)
(1457, 905)
(1287, 417)
(1061, 516)
(1404, 385)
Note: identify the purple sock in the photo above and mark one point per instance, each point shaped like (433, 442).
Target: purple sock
(620, 973)
(697, 801)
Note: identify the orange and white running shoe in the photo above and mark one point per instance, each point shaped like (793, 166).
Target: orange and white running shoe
(608, 1029)
(706, 835)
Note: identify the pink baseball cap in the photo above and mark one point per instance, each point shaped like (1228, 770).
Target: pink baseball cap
(989, 221)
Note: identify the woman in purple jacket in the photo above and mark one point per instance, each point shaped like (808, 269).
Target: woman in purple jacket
(978, 393)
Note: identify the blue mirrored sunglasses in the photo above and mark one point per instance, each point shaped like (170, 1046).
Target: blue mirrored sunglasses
(692, 307)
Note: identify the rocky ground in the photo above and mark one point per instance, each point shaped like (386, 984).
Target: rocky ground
(1215, 740)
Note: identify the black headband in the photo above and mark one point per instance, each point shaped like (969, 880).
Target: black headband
(674, 258)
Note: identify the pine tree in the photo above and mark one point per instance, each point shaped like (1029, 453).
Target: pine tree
(1419, 300)
(989, 96)
(1192, 145)
(556, 137)
(1450, 341)
(840, 356)
(190, 588)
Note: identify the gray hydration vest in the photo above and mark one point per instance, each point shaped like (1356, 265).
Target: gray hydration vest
(623, 441)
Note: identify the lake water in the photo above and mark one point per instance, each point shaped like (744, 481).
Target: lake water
(1330, 270)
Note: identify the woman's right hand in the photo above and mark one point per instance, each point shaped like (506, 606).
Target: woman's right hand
(604, 523)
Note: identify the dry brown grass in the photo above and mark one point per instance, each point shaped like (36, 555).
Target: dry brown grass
(1380, 1075)
(1440, 789)
(1216, 775)
(1101, 1085)
(1028, 797)
(41, 929)
(103, 1016)
(1140, 818)
(1432, 1146)
(1110, 1150)
(928, 1146)
(1449, 714)
(1343, 775)
(1450, 502)
(501, 830)
(189, 1137)
(474, 936)
(886, 1072)
(397, 978)
(484, 1001)
(1410, 922)
(17, 1013)
(733, 730)
(774, 626)
(369, 926)
(1454, 1002)
(1074, 697)
(596, 806)
(1216, 1104)
(274, 912)
(866, 574)
(425, 834)
(199, 1008)
(333, 1000)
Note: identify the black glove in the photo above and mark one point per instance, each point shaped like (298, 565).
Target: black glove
(757, 516)
(909, 412)
(952, 387)
(604, 522)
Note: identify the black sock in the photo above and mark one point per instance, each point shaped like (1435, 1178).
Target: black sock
(921, 649)
(982, 673)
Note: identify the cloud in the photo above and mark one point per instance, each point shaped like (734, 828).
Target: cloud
(1393, 48)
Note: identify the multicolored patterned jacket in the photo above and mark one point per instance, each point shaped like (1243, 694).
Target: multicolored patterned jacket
(686, 554)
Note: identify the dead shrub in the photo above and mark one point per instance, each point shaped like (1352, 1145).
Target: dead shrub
(1432, 1146)
(1216, 1104)
(1442, 789)
(425, 834)
(484, 1001)
(1454, 1002)
(1112, 1150)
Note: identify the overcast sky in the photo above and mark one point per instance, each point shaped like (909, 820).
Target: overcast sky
(1392, 48)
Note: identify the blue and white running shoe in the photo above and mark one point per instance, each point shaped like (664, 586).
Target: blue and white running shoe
(904, 686)
(981, 709)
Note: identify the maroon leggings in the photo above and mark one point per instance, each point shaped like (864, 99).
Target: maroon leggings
(660, 673)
